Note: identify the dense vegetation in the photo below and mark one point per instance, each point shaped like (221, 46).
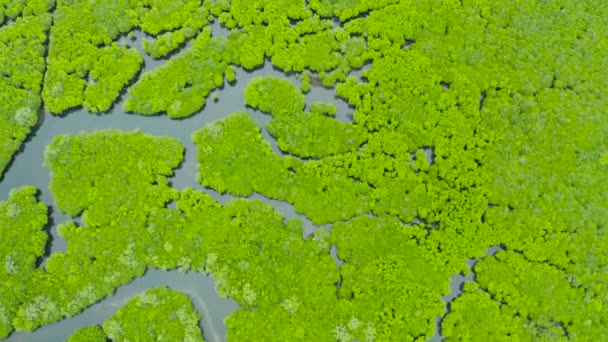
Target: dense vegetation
(180, 86)
(88, 67)
(93, 333)
(86, 273)
(475, 124)
(22, 69)
(22, 242)
(159, 314)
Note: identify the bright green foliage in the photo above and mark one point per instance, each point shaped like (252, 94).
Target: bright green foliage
(107, 181)
(305, 85)
(325, 193)
(164, 44)
(234, 157)
(403, 98)
(315, 135)
(294, 40)
(477, 124)
(21, 71)
(18, 115)
(543, 294)
(407, 19)
(327, 52)
(546, 180)
(301, 134)
(393, 93)
(158, 16)
(107, 77)
(258, 270)
(92, 333)
(265, 264)
(230, 74)
(317, 51)
(250, 45)
(274, 96)
(330, 52)
(293, 319)
(475, 316)
(346, 9)
(13, 8)
(116, 218)
(266, 12)
(420, 162)
(116, 245)
(328, 109)
(22, 54)
(473, 85)
(172, 22)
(159, 314)
(125, 174)
(389, 279)
(85, 66)
(180, 86)
(22, 241)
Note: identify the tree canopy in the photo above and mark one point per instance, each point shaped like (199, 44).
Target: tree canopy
(476, 124)
(22, 242)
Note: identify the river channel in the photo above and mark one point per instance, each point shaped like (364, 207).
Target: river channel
(27, 169)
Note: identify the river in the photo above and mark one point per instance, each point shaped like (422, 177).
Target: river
(27, 169)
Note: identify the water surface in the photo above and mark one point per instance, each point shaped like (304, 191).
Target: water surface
(27, 169)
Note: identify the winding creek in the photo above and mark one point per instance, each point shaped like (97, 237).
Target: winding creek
(198, 287)
(27, 169)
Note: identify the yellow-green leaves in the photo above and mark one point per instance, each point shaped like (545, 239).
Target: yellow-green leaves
(305, 86)
(475, 124)
(275, 96)
(234, 157)
(159, 314)
(604, 159)
(85, 66)
(125, 174)
(166, 16)
(92, 333)
(300, 133)
(180, 87)
(21, 71)
(114, 160)
(22, 242)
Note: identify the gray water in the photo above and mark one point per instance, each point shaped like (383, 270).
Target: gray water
(27, 169)
(456, 289)
(198, 287)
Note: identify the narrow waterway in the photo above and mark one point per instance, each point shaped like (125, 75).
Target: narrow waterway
(456, 290)
(27, 169)
(199, 287)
